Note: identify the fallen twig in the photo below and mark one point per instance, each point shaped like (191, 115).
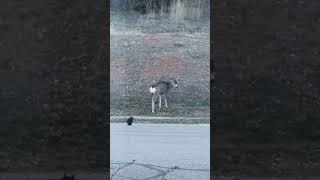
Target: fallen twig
(128, 164)
(169, 171)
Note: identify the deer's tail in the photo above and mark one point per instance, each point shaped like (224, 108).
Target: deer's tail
(152, 90)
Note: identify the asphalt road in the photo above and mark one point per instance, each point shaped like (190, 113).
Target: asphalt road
(157, 147)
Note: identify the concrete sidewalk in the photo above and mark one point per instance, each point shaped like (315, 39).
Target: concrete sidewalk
(161, 119)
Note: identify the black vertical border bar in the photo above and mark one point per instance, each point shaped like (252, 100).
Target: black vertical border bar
(107, 45)
(212, 85)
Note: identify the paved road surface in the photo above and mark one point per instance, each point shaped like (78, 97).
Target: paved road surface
(161, 117)
(157, 147)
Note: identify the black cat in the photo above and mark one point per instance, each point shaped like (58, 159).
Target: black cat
(129, 121)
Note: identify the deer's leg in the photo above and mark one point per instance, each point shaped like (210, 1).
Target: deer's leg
(165, 101)
(152, 100)
(159, 101)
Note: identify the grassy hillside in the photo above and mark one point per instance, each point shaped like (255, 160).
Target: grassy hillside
(145, 48)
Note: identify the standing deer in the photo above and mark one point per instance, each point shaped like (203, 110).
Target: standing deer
(161, 88)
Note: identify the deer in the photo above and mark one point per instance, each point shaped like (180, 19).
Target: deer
(160, 89)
